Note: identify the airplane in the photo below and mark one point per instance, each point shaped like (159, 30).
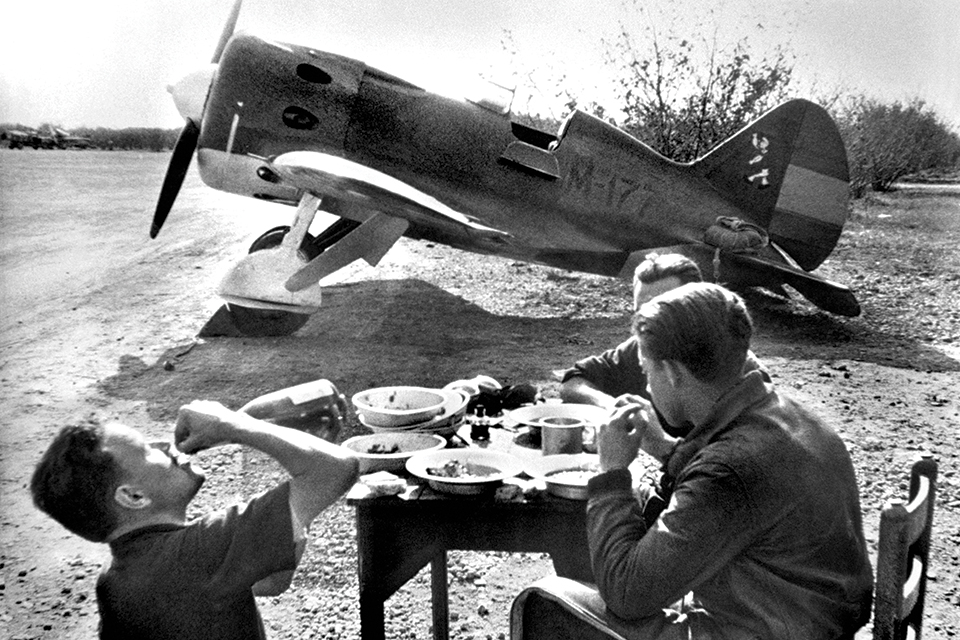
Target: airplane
(295, 125)
(47, 137)
(65, 140)
(20, 138)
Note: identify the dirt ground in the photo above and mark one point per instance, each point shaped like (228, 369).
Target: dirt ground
(122, 346)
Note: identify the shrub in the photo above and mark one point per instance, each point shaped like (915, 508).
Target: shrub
(887, 141)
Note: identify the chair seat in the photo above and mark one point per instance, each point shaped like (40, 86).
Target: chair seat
(555, 608)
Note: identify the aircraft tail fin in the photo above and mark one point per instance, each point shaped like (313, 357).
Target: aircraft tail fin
(789, 168)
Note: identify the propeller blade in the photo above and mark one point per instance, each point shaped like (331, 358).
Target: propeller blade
(176, 170)
(227, 31)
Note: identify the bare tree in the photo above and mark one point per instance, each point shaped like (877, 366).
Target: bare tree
(682, 94)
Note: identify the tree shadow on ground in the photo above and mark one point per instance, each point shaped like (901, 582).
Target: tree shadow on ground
(394, 332)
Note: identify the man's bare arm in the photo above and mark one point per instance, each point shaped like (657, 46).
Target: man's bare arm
(580, 390)
(320, 472)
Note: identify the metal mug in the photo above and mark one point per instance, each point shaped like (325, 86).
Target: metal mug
(560, 434)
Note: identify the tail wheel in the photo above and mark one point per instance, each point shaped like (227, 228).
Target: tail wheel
(270, 322)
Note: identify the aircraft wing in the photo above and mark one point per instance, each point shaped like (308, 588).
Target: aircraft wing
(373, 191)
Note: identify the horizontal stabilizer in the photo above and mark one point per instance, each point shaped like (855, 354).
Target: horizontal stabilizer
(826, 294)
(770, 271)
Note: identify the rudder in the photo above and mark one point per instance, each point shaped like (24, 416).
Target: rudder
(789, 170)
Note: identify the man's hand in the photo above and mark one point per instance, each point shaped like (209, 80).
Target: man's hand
(632, 428)
(203, 424)
(618, 441)
(629, 399)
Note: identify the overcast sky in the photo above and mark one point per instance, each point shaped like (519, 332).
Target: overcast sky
(108, 62)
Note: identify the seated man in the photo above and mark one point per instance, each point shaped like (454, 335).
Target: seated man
(600, 380)
(762, 530)
(170, 578)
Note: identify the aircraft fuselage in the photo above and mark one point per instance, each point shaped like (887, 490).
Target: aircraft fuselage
(583, 199)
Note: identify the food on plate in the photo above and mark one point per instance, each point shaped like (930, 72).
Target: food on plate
(383, 449)
(578, 476)
(393, 404)
(457, 469)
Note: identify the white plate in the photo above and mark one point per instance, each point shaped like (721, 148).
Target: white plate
(505, 464)
(407, 443)
(532, 416)
(542, 468)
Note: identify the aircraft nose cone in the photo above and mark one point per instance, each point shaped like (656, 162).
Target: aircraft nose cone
(190, 92)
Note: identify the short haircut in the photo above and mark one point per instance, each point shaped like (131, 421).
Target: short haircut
(703, 326)
(74, 482)
(656, 267)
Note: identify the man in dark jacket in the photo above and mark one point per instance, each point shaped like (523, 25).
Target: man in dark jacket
(762, 535)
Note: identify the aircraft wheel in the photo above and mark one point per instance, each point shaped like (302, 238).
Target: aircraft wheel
(275, 236)
(270, 322)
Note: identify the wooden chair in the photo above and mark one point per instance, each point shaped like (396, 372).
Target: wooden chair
(902, 557)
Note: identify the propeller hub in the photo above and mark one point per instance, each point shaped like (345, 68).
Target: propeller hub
(190, 92)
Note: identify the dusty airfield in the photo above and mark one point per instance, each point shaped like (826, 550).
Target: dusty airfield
(93, 310)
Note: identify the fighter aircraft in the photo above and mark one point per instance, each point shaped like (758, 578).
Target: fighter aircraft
(47, 137)
(20, 138)
(66, 140)
(295, 125)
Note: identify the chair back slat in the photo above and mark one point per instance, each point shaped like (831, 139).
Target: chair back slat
(917, 510)
(911, 588)
(902, 557)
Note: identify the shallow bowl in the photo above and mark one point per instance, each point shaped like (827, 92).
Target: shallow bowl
(398, 406)
(390, 451)
(553, 470)
(500, 465)
(445, 423)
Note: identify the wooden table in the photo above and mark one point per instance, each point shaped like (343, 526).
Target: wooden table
(396, 538)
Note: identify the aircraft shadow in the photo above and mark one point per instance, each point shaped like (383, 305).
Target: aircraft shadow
(368, 334)
(792, 330)
(394, 332)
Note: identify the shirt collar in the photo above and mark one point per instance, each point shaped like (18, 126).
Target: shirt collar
(750, 389)
(131, 536)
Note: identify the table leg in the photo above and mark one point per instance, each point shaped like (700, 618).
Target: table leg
(441, 603)
(371, 600)
(371, 618)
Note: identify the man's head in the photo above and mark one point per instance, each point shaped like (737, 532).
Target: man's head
(660, 273)
(699, 334)
(94, 479)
